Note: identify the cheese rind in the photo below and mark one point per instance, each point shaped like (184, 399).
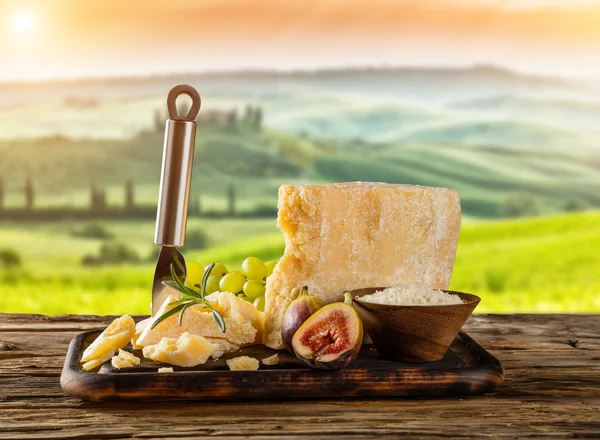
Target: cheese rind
(362, 234)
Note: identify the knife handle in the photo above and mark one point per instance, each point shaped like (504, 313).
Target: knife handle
(176, 173)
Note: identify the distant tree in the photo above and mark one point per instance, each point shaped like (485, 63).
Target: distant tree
(575, 205)
(101, 199)
(196, 239)
(93, 231)
(263, 210)
(112, 252)
(10, 259)
(129, 195)
(1, 193)
(232, 117)
(29, 193)
(93, 196)
(231, 200)
(520, 205)
(257, 121)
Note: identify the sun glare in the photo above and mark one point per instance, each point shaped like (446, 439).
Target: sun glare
(23, 23)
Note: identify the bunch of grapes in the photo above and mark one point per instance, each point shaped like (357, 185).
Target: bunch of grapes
(248, 284)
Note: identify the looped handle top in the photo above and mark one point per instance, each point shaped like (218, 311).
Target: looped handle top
(183, 89)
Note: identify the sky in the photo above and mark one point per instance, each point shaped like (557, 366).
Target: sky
(47, 39)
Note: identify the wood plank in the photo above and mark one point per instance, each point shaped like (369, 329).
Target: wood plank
(317, 418)
(552, 389)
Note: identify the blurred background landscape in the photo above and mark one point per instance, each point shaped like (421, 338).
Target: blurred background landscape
(498, 100)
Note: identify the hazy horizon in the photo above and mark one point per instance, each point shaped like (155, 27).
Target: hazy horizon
(300, 70)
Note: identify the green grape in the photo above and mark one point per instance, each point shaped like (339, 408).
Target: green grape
(254, 269)
(194, 274)
(270, 265)
(232, 282)
(259, 303)
(253, 289)
(219, 269)
(212, 284)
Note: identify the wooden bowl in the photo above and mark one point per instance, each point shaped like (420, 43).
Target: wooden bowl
(413, 333)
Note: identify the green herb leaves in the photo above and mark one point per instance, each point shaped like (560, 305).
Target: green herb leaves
(190, 297)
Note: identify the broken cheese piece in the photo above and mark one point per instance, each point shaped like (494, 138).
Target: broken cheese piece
(198, 321)
(242, 363)
(231, 306)
(95, 363)
(139, 328)
(166, 370)
(114, 337)
(347, 236)
(124, 359)
(187, 351)
(271, 360)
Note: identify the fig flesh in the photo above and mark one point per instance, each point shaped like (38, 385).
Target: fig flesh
(297, 312)
(329, 339)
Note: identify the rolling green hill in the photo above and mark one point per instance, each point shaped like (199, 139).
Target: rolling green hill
(257, 162)
(574, 114)
(505, 133)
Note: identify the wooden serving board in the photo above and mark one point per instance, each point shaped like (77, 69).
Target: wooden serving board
(467, 368)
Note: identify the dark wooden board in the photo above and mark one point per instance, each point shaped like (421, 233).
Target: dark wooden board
(467, 368)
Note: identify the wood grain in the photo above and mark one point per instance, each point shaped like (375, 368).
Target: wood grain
(551, 390)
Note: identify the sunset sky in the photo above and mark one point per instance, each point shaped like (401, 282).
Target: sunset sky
(72, 38)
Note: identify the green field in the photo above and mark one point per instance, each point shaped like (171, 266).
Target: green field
(545, 264)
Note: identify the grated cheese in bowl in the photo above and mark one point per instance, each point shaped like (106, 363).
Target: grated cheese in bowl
(412, 295)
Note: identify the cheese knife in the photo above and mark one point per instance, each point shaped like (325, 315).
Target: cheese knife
(173, 197)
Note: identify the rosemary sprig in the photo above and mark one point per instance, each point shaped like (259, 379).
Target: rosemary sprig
(190, 297)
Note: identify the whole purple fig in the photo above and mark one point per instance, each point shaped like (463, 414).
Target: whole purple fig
(297, 312)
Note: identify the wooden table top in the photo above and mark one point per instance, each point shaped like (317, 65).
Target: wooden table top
(552, 389)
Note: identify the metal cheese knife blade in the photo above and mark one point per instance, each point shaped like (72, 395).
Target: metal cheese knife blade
(173, 198)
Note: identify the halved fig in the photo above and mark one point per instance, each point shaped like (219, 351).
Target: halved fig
(297, 312)
(329, 339)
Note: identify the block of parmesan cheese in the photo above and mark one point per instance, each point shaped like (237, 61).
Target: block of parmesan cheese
(348, 236)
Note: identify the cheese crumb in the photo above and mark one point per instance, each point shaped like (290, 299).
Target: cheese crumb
(165, 370)
(187, 351)
(412, 295)
(124, 359)
(242, 363)
(271, 360)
